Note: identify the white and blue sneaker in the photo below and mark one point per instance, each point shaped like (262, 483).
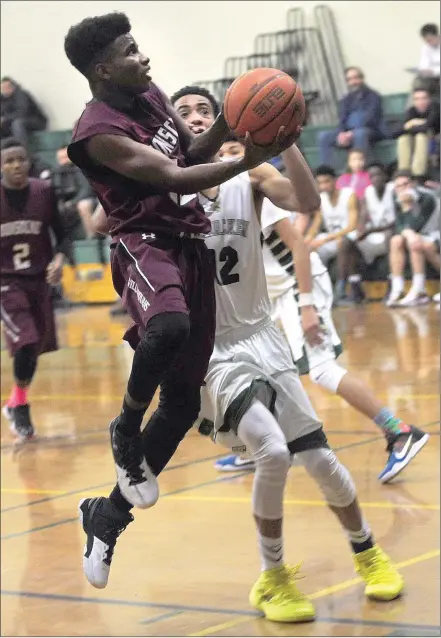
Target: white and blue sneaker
(400, 456)
(234, 463)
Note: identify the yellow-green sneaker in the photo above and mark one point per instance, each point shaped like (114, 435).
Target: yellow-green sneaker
(383, 580)
(276, 594)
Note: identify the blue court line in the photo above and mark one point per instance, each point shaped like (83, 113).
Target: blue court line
(155, 619)
(236, 475)
(179, 491)
(174, 609)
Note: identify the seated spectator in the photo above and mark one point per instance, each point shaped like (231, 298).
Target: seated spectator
(19, 112)
(356, 177)
(338, 216)
(421, 125)
(371, 239)
(361, 121)
(76, 199)
(416, 230)
(429, 65)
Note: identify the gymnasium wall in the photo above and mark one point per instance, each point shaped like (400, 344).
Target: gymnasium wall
(189, 40)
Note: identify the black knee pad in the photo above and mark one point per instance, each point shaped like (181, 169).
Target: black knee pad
(25, 362)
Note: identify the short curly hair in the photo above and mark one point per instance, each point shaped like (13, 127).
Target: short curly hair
(88, 40)
(197, 90)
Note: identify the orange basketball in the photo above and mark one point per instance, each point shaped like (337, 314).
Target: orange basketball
(260, 102)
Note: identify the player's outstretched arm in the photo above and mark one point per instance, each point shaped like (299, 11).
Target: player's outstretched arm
(293, 239)
(267, 180)
(148, 166)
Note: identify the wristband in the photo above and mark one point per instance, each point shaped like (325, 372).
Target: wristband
(305, 299)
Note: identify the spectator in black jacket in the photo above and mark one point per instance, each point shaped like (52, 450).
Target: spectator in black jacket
(421, 124)
(76, 200)
(19, 112)
(361, 121)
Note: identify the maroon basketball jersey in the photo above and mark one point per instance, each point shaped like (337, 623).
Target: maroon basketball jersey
(128, 204)
(26, 247)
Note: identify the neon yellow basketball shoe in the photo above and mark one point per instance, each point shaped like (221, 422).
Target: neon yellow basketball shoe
(276, 594)
(383, 580)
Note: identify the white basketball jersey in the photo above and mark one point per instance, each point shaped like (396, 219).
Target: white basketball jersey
(277, 257)
(381, 212)
(336, 217)
(242, 304)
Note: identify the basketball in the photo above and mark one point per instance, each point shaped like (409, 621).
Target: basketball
(260, 102)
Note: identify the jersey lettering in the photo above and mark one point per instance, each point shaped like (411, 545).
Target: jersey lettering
(20, 256)
(166, 138)
(229, 257)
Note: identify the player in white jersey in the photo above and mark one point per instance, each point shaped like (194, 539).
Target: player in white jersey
(372, 237)
(259, 402)
(333, 222)
(254, 390)
(320, 360)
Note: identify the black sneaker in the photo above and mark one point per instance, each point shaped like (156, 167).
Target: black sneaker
(102, 523)
(21, 424)
(136, 481)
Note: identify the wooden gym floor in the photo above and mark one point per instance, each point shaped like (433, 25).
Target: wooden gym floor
(185, 567)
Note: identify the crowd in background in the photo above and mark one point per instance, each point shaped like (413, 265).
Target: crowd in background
(370, 211)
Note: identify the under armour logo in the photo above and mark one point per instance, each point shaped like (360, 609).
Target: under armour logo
(148, 236)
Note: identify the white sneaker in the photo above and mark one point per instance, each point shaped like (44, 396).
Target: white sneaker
(436, 298)
(394, 299)
(414, 299)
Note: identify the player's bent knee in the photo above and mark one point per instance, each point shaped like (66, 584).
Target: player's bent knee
(332, 477)
(328, 375)
(172, 328)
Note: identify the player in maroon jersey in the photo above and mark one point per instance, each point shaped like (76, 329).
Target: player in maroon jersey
(28, 267)
(145, 166)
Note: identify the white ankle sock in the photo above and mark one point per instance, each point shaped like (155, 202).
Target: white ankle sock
(271, 552)
(418, 283)
(397, 285)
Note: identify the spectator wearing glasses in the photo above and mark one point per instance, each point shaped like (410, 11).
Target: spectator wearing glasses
(361, 122)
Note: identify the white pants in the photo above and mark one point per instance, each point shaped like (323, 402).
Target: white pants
(258, 367)
(372, 246)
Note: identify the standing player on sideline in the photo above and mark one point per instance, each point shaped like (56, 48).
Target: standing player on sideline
(251, 375)
(137, 154)
(403, 441)
(28, 267)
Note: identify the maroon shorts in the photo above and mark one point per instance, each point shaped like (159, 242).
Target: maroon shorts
(156, 275)
(27, 314)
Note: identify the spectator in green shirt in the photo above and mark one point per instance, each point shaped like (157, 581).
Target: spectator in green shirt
(417, 232)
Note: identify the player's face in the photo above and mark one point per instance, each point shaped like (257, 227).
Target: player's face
(15, 166)
(325, 184)
(356, 162)
(402, 185)
(377, 176)
(231, 150)
(432, 40)
(196, 111)
(421, 101)
(127, 69)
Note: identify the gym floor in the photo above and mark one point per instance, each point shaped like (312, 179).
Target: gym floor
(185, 567)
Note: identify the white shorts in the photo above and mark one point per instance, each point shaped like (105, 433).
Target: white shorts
(285, 310)
(329, 250)
(261, 367)
(432, 237)
(372, 246)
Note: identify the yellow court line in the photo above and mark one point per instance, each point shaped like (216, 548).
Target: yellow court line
(239, 499)
(209, 631)
(112, 397)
